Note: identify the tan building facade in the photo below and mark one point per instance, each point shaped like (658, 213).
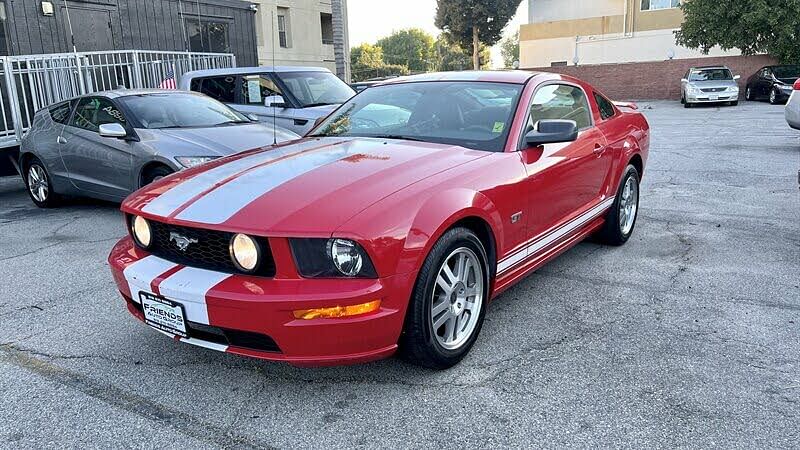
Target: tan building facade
(301, 32)
(566, 32)
(621, 43)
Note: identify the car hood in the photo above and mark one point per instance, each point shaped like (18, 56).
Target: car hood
(212, 141)
(713, 84)
(306, 188)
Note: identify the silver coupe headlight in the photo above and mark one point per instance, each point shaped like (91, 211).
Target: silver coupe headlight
(142, 234)
(245, 252)
(192, 161)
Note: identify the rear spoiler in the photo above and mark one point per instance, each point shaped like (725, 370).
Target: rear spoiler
(629, 105)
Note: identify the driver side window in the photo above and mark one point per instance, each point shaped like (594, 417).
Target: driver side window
(560, 101)
(95, 111)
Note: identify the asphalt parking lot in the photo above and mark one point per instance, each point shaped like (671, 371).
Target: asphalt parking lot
(687, 336)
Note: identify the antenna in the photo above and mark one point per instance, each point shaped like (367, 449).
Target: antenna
(274, 113)
(69, 22)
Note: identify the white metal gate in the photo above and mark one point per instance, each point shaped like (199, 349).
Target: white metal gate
(30, 82)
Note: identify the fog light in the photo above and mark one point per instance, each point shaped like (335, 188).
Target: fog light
(141, 232)
(337, 311)
(245, 252)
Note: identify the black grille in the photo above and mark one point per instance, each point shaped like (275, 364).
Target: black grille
(224, 336)
(210, 251)
(713, 89)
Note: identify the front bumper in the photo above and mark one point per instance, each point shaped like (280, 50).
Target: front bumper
(713, 97)
(221, 308)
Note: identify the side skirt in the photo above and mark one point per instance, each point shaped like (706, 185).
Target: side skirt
(516, 274)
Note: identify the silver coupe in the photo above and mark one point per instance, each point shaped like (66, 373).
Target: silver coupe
(107, 144)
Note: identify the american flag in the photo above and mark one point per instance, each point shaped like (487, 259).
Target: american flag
(169, 81)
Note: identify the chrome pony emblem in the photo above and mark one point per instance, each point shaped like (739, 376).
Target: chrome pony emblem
(182, 242)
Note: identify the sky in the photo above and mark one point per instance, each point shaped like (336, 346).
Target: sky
(370, 20)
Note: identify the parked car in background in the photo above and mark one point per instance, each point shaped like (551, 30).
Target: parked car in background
(295, 97)
(712, 84)
(772, 83)
(108, 144)
(793, 107)
(370, 234)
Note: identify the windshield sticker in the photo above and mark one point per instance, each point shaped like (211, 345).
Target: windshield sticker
(499, 127)
(114, 113)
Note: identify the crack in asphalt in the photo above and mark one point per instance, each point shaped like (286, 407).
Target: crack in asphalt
(181, 422)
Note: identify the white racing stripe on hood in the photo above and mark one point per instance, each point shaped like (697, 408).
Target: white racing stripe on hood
(189, 287)
(168, 202)
(141, 274)
(222, 203)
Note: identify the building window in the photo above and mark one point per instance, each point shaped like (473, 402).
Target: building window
(208, 35)
(326, 22)
(283, 28)
(651, 5)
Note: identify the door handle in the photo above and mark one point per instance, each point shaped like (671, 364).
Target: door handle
(598, 149)
(61, 140)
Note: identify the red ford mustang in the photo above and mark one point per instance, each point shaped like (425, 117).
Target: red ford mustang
(390, 226)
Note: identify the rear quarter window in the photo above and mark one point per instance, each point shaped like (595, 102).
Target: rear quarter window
(605, 106)
(60, 112)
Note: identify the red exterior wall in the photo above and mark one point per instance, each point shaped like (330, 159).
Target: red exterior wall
(658, 79)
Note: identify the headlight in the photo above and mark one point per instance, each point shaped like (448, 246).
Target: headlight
(140, 229)
(245, 253)
(693, 90)
(734, 89)
(331, 258)
(192, 161)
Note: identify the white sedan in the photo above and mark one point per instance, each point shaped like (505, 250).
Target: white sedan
(793, 107)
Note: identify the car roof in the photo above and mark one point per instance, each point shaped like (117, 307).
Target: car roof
(497, 76)
(124, 92)
(245, 70)
(710, 67)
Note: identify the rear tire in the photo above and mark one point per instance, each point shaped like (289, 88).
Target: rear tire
(39, 185)
(748, 94)
(447, 306)
(154, 174)
(621, 218)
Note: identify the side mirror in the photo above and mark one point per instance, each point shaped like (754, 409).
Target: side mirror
(684, 80)
(113, 130)
(275, 101)
(737, 77)
(252, 117)
(552, 132)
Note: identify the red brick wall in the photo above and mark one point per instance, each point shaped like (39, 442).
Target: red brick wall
(658, 79)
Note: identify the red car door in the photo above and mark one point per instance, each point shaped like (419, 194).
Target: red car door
(565, 181)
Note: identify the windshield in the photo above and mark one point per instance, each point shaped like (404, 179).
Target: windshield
(175, 110)
(710, 75)
(786, 71)
(475, 115)
(316, 88)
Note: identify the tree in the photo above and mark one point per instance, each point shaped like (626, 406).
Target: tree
(412, 48)
(366, 61)
(450, 56)
(754, 27)
(472, 22)
(509, 49)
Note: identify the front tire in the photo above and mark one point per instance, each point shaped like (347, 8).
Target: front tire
(448, 304)
(39, 184)
(154, 174)
(621, 218)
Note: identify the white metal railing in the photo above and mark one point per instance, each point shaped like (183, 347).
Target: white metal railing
(30, 82)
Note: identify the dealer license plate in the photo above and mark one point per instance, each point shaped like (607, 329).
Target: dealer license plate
(713, 97)
(163, 314)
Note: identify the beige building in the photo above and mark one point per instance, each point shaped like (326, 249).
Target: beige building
(302, 33)
(585, 32)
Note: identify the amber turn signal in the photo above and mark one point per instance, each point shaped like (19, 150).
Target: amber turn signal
(337, 311)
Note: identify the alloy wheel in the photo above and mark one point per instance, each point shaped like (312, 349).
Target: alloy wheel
(37, 183)
(628, 205)
(773, 98)
(457, 298)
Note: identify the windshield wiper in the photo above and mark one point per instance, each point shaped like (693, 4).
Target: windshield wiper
(311, 105)
(395, 136)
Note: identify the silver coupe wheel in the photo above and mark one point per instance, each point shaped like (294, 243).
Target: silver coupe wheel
(628, 205)
(457, 298)
(37, 183)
